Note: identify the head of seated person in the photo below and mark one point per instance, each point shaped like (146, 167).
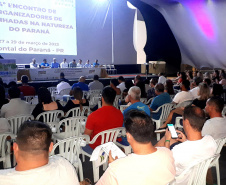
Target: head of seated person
(108, 96)
(33, 141)
(24, 79)
(204, 91)
(185, 86)
(159, 88)
(82, 79)
(217, 90)
(214, 107)
(134, 94)
(14, 92)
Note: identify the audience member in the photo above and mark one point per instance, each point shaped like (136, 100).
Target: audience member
(64, 64)
(96, 84)
(62, 85)
(185, 94)
(34, 166)
(207, 75)
(96, 64)
(87, 64)
(62, 78)
(44, 64)
(182, 78)
(33, 64)
(16, 106)
(81, 84)
(162, 79)
(113, 84)
(26, 89)
(104, 118)
(73, 64)
(216, 76)
(139, 83)
(161, 98)
(195, 87)
(3, 100)
(80, 65)
(147, 165)
(223, 79)
(193, 147)
(189, 76)
(207, 81)
(147, 86)
(77, 102)
(217, 90)
(169, 87)
(215, 126)
(45, 103)
(121, 81)
(203, 95)
(200, 75)
(151, 91)
(54, 64)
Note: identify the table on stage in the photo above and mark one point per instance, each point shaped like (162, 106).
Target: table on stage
(54, 73)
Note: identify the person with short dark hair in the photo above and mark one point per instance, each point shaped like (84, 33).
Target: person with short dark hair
(26, 89)
(217, 90)
(63, 83)
(193, 147)
(151, 91)
(79, 64)
(96, 64)
(215, 126)
(87, 64)
(55, 64)
(16, 106)
(73, 63)
(114, 85)
(161, 98)
(139, 83)
(45, 103)
(104, 118)
(62, 78)
(34, 166)
(207, 81)
(121, 81)
(169, 87)
(96, 84)
(44, 64)
(185, 94)
(148, 164)
(162, 79)
(81, 83)
(64, 64)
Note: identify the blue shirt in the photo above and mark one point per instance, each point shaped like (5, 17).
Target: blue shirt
(44, 64)
(55, 65)
(95, 64)
(82, 85)
(159, 101)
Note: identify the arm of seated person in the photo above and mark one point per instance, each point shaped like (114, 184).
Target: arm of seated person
(88, 132)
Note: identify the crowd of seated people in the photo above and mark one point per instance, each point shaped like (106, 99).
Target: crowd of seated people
(204, 92)
(63, 64)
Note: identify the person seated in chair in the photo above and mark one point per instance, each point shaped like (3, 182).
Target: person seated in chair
(193, 147)
(26, 89)
(104, 118)
(148, 164)
(34, 166)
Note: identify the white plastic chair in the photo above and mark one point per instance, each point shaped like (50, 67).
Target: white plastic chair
(16, 121)
(148, 102)
(77, 111)
(177, 122)
(94, 97)
(220, 143)
(29, 98)
(165, 110)
(143, 100)
(5, 151)
(224, 112)
(197, 172)
(106, 136)
(112, 69)
(70, 149)
(72, 127)
(52, 89)
(65, 91)
(52, 118)
(123, 107)
(116, 102)
(184, 103)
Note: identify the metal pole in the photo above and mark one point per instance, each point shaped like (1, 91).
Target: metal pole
(112, 31)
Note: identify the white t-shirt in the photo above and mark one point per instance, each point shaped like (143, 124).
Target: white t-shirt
(156, 168)
(183, 96)
(162, 80)
(64, 65)
(194, 92)
(216, 127)
(63, 85)
(191, 152)
(57, 172)
(96, 85)
(122, 86)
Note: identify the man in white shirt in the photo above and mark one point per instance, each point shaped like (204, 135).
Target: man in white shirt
(16, 106)
(194, 147)
(63, 85)
(147, 165)
(33, 64)
(64, 64)
(162, 79)
(34, 166)
(79, 64)
(87, 65)
(195, 89)
(185, 94)
(96, 84)
(121, 85)
(216, 125)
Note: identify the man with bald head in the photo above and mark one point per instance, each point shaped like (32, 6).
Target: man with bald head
(81, 84)
(34, 166)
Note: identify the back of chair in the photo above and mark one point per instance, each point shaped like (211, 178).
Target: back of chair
(184, 103)
(224, 112)
(116, 102)
(166, 108)
(65, 91)
(52, 89)
(3, 145)
(108, 135)
(123, 107)
(16, 121)
(70, 148)
(28, 98)
(75, 112)
(50, 116)
(220, 143)
(143, 100)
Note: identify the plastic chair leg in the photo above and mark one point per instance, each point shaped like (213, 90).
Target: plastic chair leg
(218, 173)
(80, 171)
(95, 172)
